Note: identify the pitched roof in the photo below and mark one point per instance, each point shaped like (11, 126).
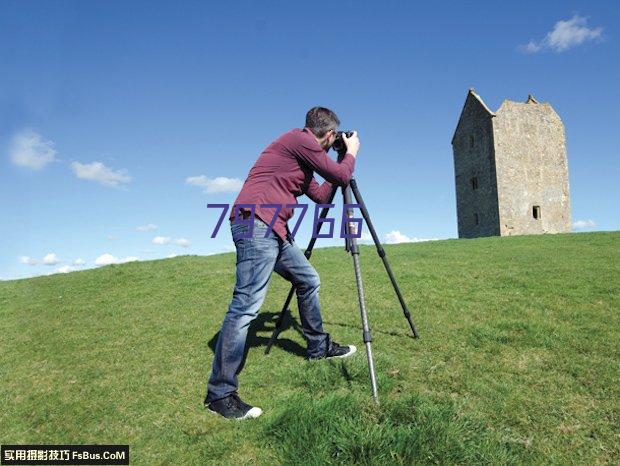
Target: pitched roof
(473, 94)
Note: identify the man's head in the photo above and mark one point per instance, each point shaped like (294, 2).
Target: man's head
(324, 125)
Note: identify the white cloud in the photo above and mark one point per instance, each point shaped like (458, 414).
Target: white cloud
(530, 47)
(28, 260)
(98, 172)
(182, 242)
(395, 237)
(221, 184)
(65, 269)
(107, 259)
(79, 262)
(171, 256)
(149, 227)
(29, 149)
(161, 240)
(51, 259)
(565, 35)
(583, 224)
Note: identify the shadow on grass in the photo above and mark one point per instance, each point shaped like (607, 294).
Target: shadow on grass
(265, 323)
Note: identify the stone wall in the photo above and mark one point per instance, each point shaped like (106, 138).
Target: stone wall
(472, 148)
(530, 157)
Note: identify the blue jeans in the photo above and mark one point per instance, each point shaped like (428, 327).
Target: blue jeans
(257, 258)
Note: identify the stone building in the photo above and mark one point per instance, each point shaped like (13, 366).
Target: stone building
(510, 169)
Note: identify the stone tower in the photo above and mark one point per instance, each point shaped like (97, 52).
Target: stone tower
(510, 169)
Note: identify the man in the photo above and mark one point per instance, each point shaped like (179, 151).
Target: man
(283, 172)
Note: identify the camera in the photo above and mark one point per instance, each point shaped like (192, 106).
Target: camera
(339, 145)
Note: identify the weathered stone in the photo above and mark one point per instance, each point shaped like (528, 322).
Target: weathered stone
(511, 173)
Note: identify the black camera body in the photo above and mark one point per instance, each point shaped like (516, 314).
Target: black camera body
(339, 145)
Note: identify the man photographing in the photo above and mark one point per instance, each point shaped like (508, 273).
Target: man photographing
(283, 171)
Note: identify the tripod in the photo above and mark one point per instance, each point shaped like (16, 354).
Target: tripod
(352, 247)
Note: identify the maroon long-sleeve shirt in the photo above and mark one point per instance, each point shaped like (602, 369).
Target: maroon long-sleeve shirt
(285, 170)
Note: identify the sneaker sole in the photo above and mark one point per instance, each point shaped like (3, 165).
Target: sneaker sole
(251, 414)
(346, 355)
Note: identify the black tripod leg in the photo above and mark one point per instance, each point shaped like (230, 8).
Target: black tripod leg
(381, 252)
(280, 321)
(351, 245)
(307, 253)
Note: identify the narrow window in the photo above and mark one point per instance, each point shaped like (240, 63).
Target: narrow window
(536, 212)
(471, 141)
(474, 183)
(476, 219)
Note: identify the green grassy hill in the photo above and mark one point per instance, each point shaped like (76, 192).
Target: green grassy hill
(518, 360)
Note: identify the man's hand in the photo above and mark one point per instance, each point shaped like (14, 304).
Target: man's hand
(353, 143)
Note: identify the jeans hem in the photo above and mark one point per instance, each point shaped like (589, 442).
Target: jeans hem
(209, 401)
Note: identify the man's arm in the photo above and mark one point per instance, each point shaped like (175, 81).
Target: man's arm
(319, 193)
(318, 160)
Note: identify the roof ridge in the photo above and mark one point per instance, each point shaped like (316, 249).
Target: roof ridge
(472, 91)
(531, 99)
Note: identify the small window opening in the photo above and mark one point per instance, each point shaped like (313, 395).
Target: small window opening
(474, 183)
(476, 219)
(471, 141)
(536, 212)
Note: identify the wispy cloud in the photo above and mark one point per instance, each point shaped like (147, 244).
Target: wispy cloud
(149, 227)
(565, 35)
(98, 172)
(221, 184)
(395, 237)
(79, 262)
(28, 260)
(107, 259)
(583, 224)
(183, 242)
(30, 149)
(112, 237)
(162, 240)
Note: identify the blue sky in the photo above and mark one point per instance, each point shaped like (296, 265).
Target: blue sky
(107, 108)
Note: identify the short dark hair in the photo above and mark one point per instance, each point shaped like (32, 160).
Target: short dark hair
(320, 120)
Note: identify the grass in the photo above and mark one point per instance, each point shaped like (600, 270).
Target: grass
(518, 361)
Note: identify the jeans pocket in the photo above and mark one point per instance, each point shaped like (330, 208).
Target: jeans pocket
(239, 231)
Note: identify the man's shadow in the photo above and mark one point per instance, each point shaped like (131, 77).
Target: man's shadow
(265, 323)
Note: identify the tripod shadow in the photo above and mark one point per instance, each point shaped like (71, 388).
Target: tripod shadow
(346, 374)
(265, 323)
